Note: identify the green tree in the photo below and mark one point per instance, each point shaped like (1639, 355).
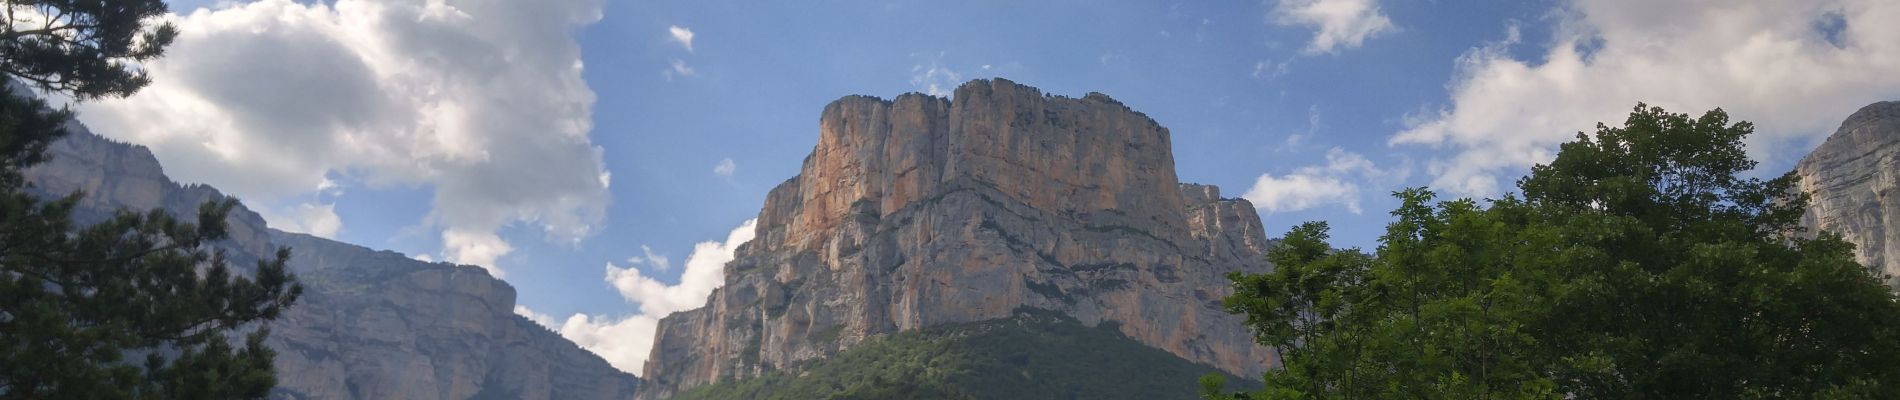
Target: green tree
(140, 305)
(1637, 264)
(84, 48)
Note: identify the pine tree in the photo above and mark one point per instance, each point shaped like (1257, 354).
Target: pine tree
(140, 306)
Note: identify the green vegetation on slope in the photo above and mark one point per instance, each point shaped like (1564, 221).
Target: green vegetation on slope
(1036, 355)
(1640, 263)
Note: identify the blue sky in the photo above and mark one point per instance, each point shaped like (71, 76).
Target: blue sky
(572, 144)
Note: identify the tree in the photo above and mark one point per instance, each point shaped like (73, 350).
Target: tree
(85, 48)
(140, 305)
(1640, 263)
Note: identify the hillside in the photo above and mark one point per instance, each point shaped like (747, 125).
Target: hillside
(1032, 355)
(371, 324)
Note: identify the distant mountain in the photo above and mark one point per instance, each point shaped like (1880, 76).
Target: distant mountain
(1852, 178)
(371, 324)
(921, 213)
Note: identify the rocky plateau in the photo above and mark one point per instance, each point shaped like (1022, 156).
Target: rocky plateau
(923, 211)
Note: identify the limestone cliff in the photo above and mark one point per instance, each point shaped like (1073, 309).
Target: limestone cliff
(371, 325)
(1852, 178)
(924, 211)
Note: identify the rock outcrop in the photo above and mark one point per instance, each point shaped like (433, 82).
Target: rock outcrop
(1852, 178)
(371, 324)
(923, 211)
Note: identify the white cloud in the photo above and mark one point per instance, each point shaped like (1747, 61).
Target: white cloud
(315, 219)
(1768, 62)
(656, 261)
(681, 35)
(475, 248)
(705, 271)
(1338, 182)
(932, 78)
(677, 68)
(1300, 191)
(1268, 69)
(625, 341)
(542, 319)
(480, 100)
(1337, 24)
(726, 168)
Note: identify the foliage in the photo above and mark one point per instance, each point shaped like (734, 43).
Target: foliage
(1638, 264)
(137, 306)
(84, 48)
(1036, 355)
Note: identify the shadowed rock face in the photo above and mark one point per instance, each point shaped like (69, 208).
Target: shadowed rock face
(1852, 178)
(922, 211)
(371, 324)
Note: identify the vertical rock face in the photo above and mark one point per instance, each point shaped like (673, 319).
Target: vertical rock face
(922, 211)
(371, 324)
(1852, 178)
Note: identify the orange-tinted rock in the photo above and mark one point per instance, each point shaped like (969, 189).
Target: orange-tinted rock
(922, 211)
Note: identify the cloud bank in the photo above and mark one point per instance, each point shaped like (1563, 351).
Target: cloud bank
(626, 341)
(1793, 67)
(481, 101)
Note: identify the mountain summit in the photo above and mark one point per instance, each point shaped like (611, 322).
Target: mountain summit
(921, 212)
(1852, 177)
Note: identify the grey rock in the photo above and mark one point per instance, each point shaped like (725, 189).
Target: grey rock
(371, 324)
(1851, 178)
(922, 211)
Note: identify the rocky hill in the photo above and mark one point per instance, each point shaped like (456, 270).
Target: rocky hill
(1852, 178)
(371, 324)
(921, 211)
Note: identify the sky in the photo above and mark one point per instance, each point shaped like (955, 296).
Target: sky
(606, 157)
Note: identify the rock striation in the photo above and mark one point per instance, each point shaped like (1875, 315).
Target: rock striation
(371, 324)
(922, 211)
(1852, 179)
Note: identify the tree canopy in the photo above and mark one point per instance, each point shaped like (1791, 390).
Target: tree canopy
(84, 48)
(1640, 263)
(141, 305)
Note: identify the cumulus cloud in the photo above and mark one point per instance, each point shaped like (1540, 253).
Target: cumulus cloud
(475, 248)
(1337, 24)
(480, 100)
(315, 219)
(681, 35)
(1793, 67)
(726, 168)
(705, 271)
(625, 341)
(1339, 181)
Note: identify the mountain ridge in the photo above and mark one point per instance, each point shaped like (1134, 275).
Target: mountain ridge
(1852, 177)
(371, 324)
(922, 211)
